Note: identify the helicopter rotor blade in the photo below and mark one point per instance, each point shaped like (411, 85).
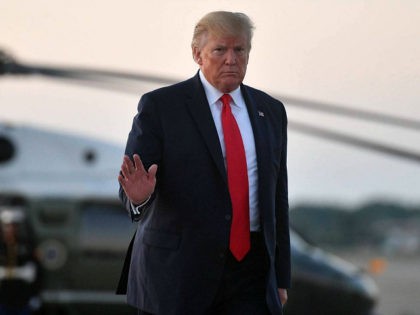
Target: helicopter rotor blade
(105, 79)
(346, 111)
(9, 66)
(14, 68)
(375, 146)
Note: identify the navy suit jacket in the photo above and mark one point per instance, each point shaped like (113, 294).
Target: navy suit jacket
(176, 258)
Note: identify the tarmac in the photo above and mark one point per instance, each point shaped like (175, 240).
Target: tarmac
(397, 277)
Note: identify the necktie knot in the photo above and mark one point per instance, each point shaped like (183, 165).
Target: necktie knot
(226, 98)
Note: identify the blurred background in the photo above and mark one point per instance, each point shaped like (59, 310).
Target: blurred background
(360, 201)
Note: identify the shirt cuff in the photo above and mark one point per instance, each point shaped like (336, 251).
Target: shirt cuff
(136, 209)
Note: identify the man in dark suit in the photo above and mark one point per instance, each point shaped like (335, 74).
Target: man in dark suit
(210, 189)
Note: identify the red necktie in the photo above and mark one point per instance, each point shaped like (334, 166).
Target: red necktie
(237, 175)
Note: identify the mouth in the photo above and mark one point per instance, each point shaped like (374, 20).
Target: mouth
(230, 73)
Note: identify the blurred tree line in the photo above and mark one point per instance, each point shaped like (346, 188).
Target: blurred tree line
(376, 224)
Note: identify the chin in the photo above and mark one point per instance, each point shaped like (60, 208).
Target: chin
(229, 86)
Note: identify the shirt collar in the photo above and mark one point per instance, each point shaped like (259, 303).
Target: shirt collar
(213, 94)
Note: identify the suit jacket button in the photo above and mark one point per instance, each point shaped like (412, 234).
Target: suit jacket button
(228, 217)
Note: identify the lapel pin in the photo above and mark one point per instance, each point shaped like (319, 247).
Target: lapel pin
(260, 113)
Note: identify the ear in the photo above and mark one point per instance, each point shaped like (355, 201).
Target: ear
(197, 56)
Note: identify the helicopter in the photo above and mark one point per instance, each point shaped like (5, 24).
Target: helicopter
(81, 229)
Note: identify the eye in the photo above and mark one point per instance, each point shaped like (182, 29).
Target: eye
(240, 50)
(219, 50)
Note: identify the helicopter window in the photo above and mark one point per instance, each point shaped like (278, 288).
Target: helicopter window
(12, 200)
(53, 216)
(104, 228)
(89, 156)
(7, 150)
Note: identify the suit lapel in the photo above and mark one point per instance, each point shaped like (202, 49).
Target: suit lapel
(200, 111)
(256, 114)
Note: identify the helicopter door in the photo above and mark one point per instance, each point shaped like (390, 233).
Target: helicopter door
(104, 234)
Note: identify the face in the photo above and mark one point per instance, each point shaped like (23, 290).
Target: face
(223, 60)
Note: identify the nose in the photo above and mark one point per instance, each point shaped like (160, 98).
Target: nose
(230, 57)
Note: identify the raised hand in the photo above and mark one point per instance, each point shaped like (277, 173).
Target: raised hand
(138, 184)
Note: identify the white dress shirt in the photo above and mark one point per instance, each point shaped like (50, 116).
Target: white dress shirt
(240, 112)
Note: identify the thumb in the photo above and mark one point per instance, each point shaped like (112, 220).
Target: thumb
(152, 171)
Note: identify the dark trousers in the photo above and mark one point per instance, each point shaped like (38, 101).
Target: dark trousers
(8, 310)
(242, 290)
(243, 287)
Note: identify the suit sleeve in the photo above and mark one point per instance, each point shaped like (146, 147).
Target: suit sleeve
(283, 264)
(145, 140)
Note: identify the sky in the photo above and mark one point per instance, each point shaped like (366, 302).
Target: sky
(360, 54)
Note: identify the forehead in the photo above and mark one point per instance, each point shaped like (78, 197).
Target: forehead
(226, 40)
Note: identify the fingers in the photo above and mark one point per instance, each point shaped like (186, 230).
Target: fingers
(138, 164)
(125, 168)
(129, 165)
(122, 181)
(128, 168)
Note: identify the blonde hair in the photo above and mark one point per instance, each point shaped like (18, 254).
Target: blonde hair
(222, 23)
